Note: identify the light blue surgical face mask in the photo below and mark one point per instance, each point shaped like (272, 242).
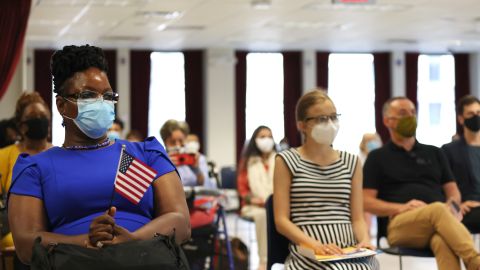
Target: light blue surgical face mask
(372, 145)
(113, 135)
(95, 117)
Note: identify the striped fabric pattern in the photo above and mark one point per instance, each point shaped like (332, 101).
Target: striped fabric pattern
(320, 207)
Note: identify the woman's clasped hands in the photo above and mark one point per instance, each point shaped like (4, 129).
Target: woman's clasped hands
(104, 231)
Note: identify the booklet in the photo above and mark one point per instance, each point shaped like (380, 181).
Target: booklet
(349, 253)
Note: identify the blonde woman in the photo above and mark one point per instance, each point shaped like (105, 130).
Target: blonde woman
(318, 191)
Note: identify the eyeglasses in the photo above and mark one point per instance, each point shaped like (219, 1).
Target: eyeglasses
(86, 95)
(323, 119)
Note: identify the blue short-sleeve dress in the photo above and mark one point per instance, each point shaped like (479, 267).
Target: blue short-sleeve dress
(76, 185)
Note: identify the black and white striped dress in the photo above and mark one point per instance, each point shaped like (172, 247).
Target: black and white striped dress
(320, 207)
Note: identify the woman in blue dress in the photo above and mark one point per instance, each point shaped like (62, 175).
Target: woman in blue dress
(64, 194)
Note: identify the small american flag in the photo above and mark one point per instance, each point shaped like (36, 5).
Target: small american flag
(133, 177)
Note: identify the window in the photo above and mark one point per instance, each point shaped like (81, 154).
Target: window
(264, 97)
(352, 89)
(436, 99)
(167, 90)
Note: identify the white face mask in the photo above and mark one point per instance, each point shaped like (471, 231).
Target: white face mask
(325, 133)
(192, 147)
(265, 145)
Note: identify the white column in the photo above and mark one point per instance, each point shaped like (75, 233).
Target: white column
(309, 70)
(29, 67)
(123, 87)
(475, 73)
(398, 73)
(220, 128)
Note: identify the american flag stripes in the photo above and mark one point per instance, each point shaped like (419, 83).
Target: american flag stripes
(133, 177)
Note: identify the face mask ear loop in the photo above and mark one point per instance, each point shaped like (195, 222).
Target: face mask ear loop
(63, 115)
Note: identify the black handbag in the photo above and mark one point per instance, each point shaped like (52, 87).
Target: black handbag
(160, 252)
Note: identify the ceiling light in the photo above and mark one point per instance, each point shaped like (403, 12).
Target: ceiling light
(366, 8)
(167, 15)
(261, 4)
(161, 27)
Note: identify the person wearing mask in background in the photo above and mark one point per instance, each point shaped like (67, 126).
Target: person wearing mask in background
(8, 132)
(32, 117)
(411, 183)
(370, 142)
(134, 136)
(115, 132)
(191, 170)
(318, 191)
(255, 184)
(192, 146)
(464, 158)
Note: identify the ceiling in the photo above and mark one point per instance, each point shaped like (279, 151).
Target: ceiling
(425, 25)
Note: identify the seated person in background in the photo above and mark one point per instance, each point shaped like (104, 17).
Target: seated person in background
(255, 183)
(134, 136)
(464, 158)
(33, 118)
(192, 172)
(318, 191)
(409, 182)
(115, 132)
(8, 132)
(370, 141)
(192, 146)
(62, 195)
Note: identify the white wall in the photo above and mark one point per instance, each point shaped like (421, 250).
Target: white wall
(475, 73)
(220, 106)
(123, 87)
(309, 70)
(398, 73)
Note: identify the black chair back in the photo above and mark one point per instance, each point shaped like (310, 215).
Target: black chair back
(228, 176)
(277, 244)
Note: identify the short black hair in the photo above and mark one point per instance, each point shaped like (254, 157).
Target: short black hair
(72, 59)
(119, 122)
(465, 101)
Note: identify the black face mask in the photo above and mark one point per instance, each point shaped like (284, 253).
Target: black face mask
(473, 123)
(37, 128)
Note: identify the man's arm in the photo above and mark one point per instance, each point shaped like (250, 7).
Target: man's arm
(383, 208)
(451, 191)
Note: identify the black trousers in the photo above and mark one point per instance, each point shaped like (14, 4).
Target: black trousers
(472, 220)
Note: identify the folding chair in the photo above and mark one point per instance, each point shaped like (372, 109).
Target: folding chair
(277, 244)
(382, 223)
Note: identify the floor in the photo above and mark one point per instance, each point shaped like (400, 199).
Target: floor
(245, 230)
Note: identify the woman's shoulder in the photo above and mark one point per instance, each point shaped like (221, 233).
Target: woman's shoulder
(344, 155)
(7, 151)
(150, 144)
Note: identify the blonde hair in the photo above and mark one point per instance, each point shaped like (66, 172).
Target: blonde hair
(309, 99)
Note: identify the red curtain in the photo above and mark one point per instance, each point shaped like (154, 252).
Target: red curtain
(13, 24)
(43, 75)
(322, 69)
(240, 99)
(139, 90)
(462, 79)
(383, 89)
(411, 76)
(292, 90)
(111, 56)
(194, 89)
